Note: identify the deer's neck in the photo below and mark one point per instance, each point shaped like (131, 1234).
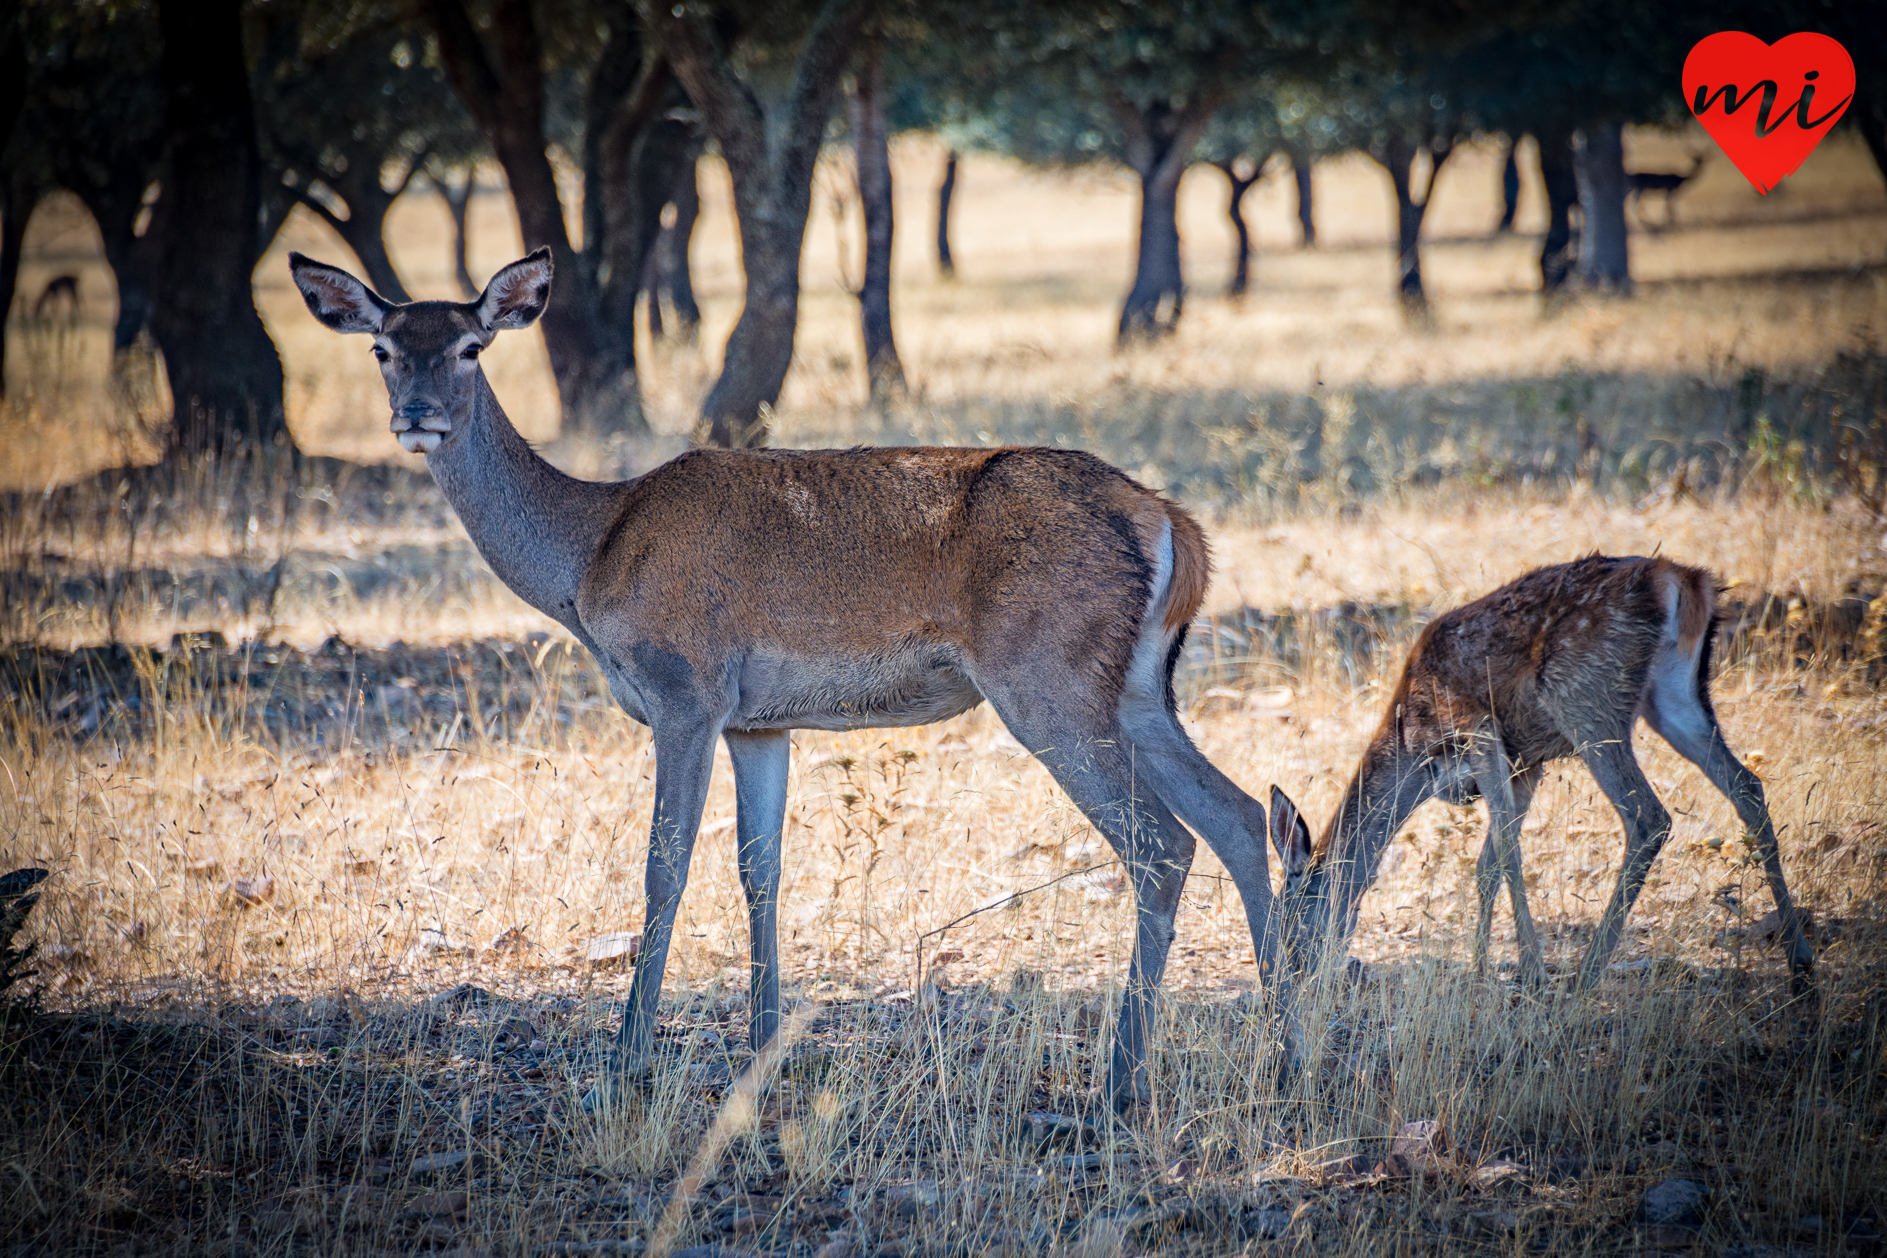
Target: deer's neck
(538, 528)
(1385, 789)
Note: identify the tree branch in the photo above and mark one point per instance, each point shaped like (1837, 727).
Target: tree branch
(1141, 153)
(727, 106)
(822, 61)
(466, 64)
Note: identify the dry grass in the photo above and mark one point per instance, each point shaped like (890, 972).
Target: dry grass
(278, 865)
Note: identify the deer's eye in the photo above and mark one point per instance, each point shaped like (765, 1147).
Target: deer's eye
(379, 353)
(469, 352)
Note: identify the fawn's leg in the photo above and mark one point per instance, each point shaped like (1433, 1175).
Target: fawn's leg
(1647, 826)
(760, 767)
(1683, 720)
(1508, 798)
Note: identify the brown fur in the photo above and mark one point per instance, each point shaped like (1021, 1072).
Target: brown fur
(1562, 662)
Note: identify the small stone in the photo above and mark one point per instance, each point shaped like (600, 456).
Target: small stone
(617, 947)
(464, 996)
(251, 893)
(433, 1163)
(432, 942)
(506, 941)
(1498, 1174)
(1674, 1201)
(1427, 1138)
(1183, 1171)
(838, 1247)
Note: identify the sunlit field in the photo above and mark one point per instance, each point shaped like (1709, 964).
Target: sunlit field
(338, 829)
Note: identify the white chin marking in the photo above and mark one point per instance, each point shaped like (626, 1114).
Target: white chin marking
(419, 442)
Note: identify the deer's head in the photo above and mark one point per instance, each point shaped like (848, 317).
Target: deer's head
(428, 350)
(1305, 902)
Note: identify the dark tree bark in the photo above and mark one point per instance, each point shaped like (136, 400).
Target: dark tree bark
(1599, 167)
(883, 370)
(364, 228)
(1300, 173)
(672, 249)
(117, 204)
(1159, 144)
(772, 167)
(1509, 188)
(1397, 155)
(587, 330)
(946, 265)
(1558, 251)
(458, 199)
(1235, 210)
(14, 211)
(225, 376)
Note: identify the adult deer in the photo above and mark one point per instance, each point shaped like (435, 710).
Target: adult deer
(1666, 183)
(1560, 663)
(741, 595)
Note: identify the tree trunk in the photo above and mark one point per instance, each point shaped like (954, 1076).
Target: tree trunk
(14, 212)
(1509, 188)
(1599, 167)
(116, 206)
(364, 228)
(1300, 173)
(883, 371)
(1235, 210)
(1397, 156)
(946, 265)
(1159, 145)
(225, 376)
(594, 366)
(1559, 250)
(772, 168)
(458, 203)
(673, 248)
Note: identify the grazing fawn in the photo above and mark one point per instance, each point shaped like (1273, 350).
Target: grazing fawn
(739, 595)
(1560, 663)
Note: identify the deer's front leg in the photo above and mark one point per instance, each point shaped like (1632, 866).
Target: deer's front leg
(760, 768)
(684, 761)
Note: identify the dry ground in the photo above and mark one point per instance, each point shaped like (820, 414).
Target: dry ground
(313, 956)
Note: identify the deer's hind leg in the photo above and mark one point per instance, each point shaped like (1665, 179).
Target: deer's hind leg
(1647, 826)
(761, 760)
(1508, 797)
(1680, 712)
(1231, 822)
(1091, 759)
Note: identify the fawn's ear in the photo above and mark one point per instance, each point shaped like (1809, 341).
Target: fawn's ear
(517, 294)
(1289, 834)
(337, 298)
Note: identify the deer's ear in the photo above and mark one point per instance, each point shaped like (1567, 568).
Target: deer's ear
(517, 294)
(337, 298)
(1289, 834)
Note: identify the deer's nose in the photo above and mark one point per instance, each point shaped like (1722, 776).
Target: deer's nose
(413, 412)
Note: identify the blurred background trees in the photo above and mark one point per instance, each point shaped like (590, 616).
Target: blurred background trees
(190, 131)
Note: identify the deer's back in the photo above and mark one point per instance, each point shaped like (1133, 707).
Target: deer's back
(1561, 653)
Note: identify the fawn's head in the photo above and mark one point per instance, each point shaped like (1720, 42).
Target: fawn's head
(428, 350)
(1305, 902)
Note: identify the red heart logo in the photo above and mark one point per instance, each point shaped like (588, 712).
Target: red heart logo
(1768, 105)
